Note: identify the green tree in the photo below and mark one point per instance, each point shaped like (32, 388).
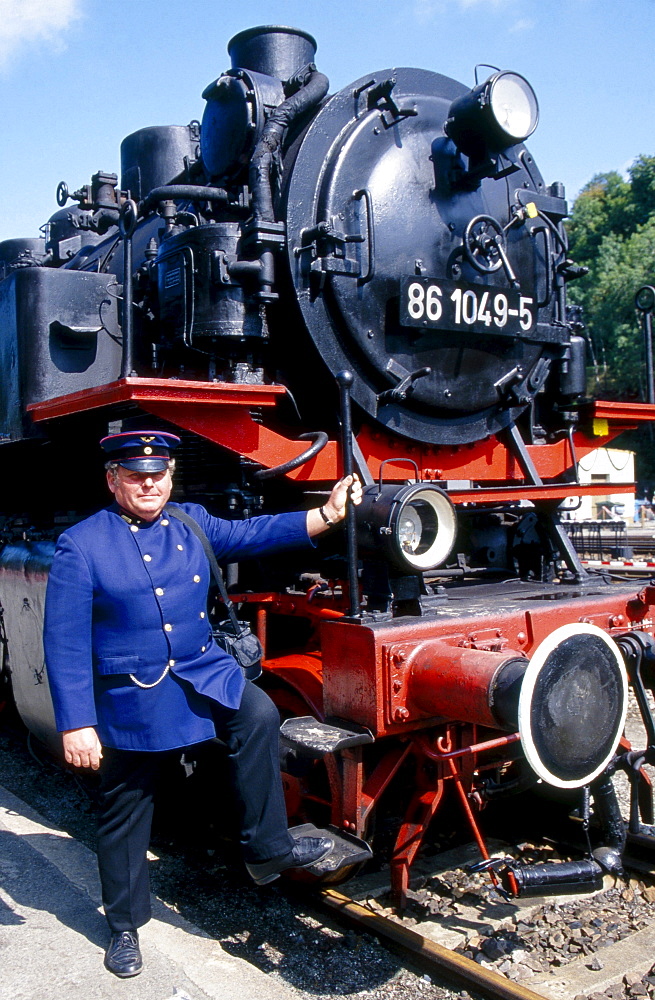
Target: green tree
(603, 206)
(642, 177)
(612, 232)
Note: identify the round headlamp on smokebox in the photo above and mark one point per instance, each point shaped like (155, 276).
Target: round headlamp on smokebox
(495, 115)
(413, 526)
(140, 451)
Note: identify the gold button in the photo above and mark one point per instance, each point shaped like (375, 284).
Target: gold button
(133, 527)
(171, 663)
(159, 591)
(202, 614)
(196, 579)
(203, 649)
(147, 558)
(168, 628)
(164, 520)
(180, 547)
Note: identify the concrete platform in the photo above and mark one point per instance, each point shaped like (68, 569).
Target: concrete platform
(53, 934)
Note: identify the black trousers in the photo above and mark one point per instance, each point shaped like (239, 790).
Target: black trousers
(127, 783)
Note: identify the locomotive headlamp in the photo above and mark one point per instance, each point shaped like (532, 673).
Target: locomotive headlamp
(495, 115)
(412, 526)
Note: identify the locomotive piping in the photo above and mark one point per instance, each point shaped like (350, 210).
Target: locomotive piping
(319, 440)
(174, 192)
(279, 121)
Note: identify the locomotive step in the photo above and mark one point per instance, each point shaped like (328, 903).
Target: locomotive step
(308, 737)
(348, 850)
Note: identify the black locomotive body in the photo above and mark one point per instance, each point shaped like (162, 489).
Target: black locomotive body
(393, 246)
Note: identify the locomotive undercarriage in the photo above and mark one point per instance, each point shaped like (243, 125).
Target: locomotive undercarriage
(428, 700)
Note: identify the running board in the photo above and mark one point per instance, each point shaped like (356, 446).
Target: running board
(310, 738)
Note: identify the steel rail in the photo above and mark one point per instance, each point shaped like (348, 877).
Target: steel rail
(441, 961)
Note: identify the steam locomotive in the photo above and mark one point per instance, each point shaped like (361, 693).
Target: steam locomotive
(305, 284)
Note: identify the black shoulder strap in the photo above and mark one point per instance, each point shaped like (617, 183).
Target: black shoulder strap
(191, 523)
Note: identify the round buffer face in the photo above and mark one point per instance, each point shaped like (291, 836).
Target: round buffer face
(573, 705)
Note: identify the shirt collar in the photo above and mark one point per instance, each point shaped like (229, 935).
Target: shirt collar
(132, 519)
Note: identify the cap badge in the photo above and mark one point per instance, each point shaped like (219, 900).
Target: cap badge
(147, 450)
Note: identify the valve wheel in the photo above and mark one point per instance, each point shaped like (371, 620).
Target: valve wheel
(483, 240)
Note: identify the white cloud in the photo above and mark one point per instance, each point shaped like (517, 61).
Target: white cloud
(523, 24)
(24, 22)
(427, 10)
(480, 3)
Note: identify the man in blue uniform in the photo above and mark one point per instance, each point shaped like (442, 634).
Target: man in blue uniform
(134, 670)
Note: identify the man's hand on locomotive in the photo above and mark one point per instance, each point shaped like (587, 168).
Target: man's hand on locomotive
(347, 490)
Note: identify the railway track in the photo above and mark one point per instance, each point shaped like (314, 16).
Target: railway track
(617, 969)
(441, 962)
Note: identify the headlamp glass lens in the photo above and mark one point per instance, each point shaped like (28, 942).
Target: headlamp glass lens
(514, 105)
(417, 529)
(424, 528)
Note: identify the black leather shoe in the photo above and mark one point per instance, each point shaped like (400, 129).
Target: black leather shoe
(123, 956)
(305, 852)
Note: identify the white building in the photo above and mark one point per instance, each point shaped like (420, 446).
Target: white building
(604, 465)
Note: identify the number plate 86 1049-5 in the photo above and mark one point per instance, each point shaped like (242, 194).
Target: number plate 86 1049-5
(454, 305)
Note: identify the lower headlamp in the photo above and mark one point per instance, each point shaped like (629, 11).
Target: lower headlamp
(413, 526)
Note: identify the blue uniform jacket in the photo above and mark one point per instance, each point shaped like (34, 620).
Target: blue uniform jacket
(131, 598)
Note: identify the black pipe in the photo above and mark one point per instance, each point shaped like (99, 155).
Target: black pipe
(308, 97)
(645, 303)
(608, 813)
(345, 380)
(648, 338)
(179, 192)
(554, 878)
(320, 440)
(127, 221)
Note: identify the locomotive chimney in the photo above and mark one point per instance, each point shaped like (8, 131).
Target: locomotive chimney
(275, 51)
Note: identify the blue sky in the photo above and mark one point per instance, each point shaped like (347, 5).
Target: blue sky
(76, 76)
